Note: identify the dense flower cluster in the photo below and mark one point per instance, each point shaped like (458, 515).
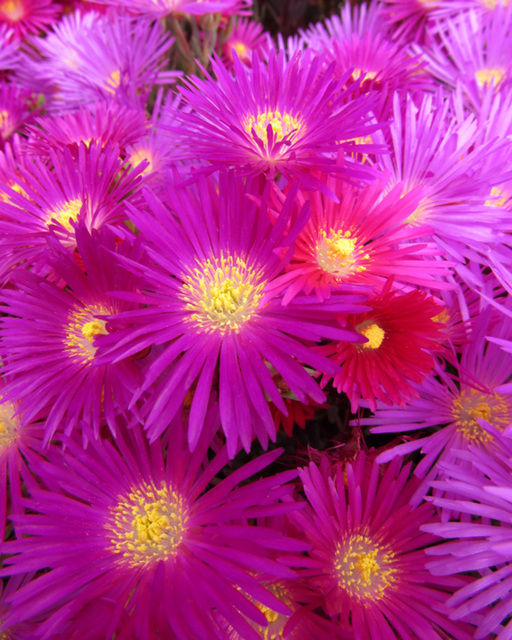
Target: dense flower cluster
(211, 238)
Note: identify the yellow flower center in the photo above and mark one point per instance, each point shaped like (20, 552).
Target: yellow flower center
(487, 76)
(368, 75)
(283, 125)
(470, 405)
(373, 332)
(113, 81)
(13, 11)
(138, 155)
(82, 327)
(241, 49)
(276, 621)
(148, 524)
(4, 120)
(69, 211)
(498, 198)
(337, 253)
(9, 424)
(223, 294)
(362, 567)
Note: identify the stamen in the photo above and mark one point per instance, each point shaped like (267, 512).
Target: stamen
(69, 211)
(82, 327)
(148, 524)
(373, 332)
(113, 81)
(283, 126)
(223, 294)
(337, 252)
(363, 567)
(470, 405)
(9, 425)
(485, 77)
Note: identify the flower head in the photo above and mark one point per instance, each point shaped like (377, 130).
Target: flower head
(284, 117)
(368, 552)
(116, 523)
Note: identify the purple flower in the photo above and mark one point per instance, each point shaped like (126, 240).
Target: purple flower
(142, 528)
(286, 117)
(209, 301)
(368, 558)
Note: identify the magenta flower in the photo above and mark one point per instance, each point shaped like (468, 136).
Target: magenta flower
(364, 238)
(286, 117)
(49, 333)
(91, 187)
(26, 17)
(134, 524)
(106, 123)
(368, 552)
(209, 301)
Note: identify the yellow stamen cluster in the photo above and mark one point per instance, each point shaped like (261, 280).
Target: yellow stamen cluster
(283, 126)
(82, 327)
(471, 404)
(9, 425)
(368, 75)
(374, 333)
(138, 155)
(4, 120)
(488, 76)
(362, 567)
(148, 524)
(14, 11)
(337, 253)
(498, 198)
(67, 212)
(276, 621)
(113, 81)
(223, 294)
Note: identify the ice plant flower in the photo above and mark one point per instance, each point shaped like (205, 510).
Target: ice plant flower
(457, 404)
(92, 58)
(480, 543)
(105, 122)
(364, 238)
(205, 300)
(91, 186)
(162, 8)
(246, 36)
(368, 552)
(28, 16)
(286, 117)
(16, 109)
(401, 334)
(49, 334)
(124, 523)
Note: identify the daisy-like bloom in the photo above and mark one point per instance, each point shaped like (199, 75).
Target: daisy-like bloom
(245, 37)
(363, 238)
(17, 107)
(479, 483)
(102, 122)
(472, 50)
(400, 333)
(363, 45)
(286, 117)
(368, 557)
(49, 336)
(205, 300)
(455, 404)
(429, 148)
(116, 58)
(28, 16)
(91, 187)
(122, 525)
